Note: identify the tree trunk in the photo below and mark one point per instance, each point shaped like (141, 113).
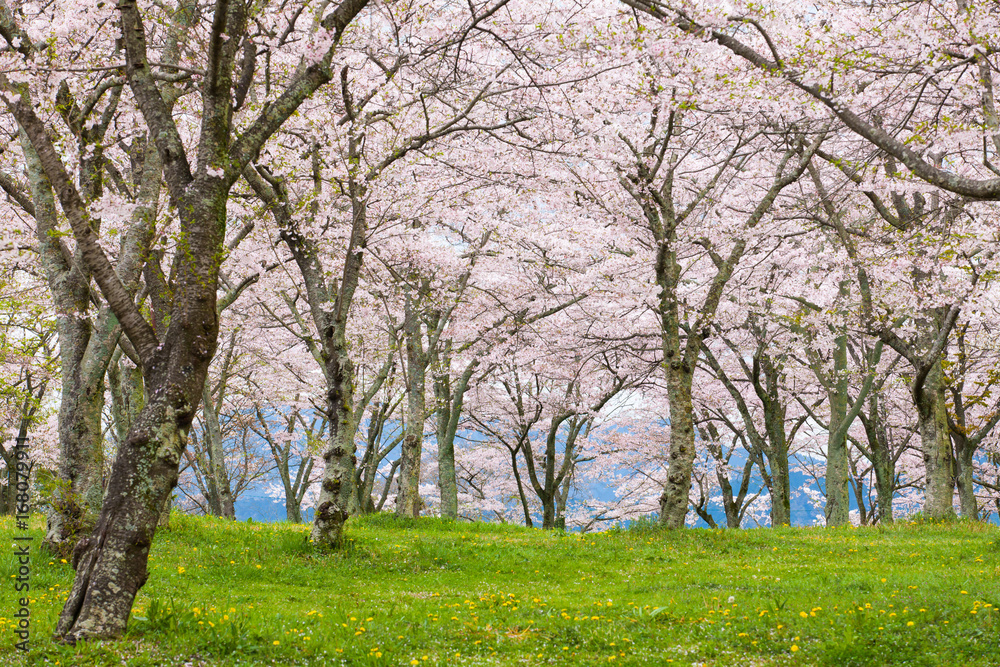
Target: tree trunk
(223, 501)
(111, 563)
(882, 459)
(293, 511)
(935, 443)
(449, 414)
(520, 489)
(837, 508)
(964, 454)
(337, 487)
(548, 510)
(75, 501)
(674, 500)
(563, 499)
(164, 521)
(781, 514)
(408, 502)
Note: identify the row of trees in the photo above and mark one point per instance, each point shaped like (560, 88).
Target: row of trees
(567, 261)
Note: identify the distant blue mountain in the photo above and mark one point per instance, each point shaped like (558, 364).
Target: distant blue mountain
(265, 508)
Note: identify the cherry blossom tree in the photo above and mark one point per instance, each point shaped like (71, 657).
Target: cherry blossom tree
(111, 564)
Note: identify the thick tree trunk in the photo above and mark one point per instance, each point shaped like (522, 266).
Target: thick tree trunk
(337, 487)
(781, 513)
(111, 562)
(408, 502)
(86, 345)
(935, 444)
(293, 511)
(548, 511)
(674, 500)
(732, 516)
(79, 490)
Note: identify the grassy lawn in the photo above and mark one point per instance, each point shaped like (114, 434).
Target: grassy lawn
(432, 592)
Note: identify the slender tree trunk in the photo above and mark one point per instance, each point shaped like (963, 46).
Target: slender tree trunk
(408, 502)
(10, 492)
(964, 454)
(885, 477)
(520, 489)
(337, 489)
(216, 457)
(858, 484)
(75, 504)
(563, 499)
(450, 401)
(882, 460)
(366, 504)
(837, 492)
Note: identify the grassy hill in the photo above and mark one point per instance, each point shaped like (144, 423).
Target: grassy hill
(432, 592)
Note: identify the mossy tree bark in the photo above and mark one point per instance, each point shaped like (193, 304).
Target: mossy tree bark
(111, 563)
(928, 388)
(87, 341)
(408, 500)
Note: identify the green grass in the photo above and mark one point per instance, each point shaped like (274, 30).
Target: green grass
(433, 592)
